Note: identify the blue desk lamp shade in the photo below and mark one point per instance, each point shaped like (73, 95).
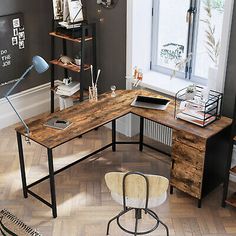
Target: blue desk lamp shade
(40, 66)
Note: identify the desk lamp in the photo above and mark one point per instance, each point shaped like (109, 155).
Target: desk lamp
(40, 65)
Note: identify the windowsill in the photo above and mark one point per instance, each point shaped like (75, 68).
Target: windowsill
(162, 83)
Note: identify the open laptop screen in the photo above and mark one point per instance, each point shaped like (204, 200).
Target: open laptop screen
(150, 102)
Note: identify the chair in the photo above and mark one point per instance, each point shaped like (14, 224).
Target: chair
(136, 191)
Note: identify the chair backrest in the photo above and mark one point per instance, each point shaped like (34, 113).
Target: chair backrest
(135, 185)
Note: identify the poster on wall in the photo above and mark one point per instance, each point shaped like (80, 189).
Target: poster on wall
(13, 43)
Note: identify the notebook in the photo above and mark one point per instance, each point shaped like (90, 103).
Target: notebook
(57, 123)
(150, 102)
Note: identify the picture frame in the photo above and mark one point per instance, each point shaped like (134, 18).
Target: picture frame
(70, 11)
(58, 10)
(75, 11)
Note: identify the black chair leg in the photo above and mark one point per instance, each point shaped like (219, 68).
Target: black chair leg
(154, 215)
(136, 224)
(167, 230)
(112, 219)
(138, 213)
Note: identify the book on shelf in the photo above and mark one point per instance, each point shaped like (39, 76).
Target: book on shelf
(68, 90)
(69, 25)
(65, 102)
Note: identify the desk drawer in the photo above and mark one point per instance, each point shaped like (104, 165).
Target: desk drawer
(189, 139)
(188, 154)
(186, 177)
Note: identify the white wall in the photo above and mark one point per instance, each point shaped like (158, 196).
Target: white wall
(138, 51)
(28, 103)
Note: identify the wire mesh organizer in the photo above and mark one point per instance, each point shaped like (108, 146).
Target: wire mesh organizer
(198, 109)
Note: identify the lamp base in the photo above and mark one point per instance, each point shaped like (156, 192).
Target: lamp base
(27, 139)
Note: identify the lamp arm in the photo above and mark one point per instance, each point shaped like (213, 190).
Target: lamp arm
(10, 91)
(20, 79)
(26, 127)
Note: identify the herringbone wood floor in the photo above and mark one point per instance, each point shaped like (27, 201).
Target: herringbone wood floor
(84, 203)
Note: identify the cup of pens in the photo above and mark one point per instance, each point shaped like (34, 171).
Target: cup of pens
(93, 91)
(137, 76)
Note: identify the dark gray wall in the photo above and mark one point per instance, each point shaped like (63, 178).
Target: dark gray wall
(37, 17)
(111, 39)
(230, 83)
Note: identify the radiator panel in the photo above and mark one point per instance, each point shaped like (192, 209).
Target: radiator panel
(158, 132)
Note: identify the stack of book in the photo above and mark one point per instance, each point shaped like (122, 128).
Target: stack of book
(68, 90)
(195, 114)
(65, 102)
(64, 92)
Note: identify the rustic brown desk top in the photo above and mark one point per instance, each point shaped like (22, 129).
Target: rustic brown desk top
(88, 115)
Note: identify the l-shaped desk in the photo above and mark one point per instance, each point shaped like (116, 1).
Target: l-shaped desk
(199, 155)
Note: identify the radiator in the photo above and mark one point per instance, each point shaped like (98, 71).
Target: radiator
(158, 132)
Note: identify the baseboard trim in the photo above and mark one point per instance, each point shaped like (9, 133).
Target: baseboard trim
(28, 103)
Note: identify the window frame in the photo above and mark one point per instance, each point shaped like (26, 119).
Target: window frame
(139, 36)
(190, 68)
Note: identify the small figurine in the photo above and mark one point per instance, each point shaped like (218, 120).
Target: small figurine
(66, 60)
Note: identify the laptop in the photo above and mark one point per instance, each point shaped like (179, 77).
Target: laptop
(150, 102)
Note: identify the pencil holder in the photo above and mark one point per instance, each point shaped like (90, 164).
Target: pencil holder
(93, 94)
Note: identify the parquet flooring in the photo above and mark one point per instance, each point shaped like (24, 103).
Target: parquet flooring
(84, 203)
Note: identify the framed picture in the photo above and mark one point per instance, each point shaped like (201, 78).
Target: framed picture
(70, 11)
(58, 9)
(75, 11)
(14, 57)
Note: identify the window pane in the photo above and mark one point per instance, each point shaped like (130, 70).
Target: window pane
(172, 32)
(209, 34)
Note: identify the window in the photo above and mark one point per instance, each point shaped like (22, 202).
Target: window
(186, 37)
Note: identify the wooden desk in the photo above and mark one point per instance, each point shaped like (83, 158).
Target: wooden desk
(198, 154)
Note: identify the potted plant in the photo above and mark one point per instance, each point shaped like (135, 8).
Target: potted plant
(190, 92)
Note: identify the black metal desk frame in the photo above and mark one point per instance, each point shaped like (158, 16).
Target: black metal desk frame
(52, 173)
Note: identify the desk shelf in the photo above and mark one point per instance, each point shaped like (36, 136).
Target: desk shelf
(71, 67)
(88, 34)
(231, 200)
(66, 37)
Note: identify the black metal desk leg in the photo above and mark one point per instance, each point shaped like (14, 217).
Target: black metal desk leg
(141, 134)
(22, 164)
(114, 135)
(52, 183)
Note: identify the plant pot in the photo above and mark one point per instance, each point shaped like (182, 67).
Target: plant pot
(189, 96)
